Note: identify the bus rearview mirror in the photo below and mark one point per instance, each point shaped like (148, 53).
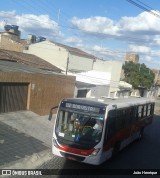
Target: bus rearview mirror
(51, 113)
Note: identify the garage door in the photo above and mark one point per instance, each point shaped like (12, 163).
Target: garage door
(13, 97)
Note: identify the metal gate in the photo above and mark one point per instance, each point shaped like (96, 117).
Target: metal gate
(13, 97)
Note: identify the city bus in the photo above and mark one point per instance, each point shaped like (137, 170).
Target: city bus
(92, 130)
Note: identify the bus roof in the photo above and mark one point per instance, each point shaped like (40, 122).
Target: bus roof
(130, 101)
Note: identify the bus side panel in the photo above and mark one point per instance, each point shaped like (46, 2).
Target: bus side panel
(128, 134)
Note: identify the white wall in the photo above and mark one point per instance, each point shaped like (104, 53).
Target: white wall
(79, 63)
(57, 56)
(49, 52)
(114, 67)
(102, 66)
(115, 75)
(99, 91)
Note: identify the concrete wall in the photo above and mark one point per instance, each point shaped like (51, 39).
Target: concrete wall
(114, 67)
(79, 63)
(98, 91)
(8, 44)
(115, 75)
(44, 91)
(102, 66)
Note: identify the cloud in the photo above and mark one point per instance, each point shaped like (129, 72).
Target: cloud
(139, 49)
(40, 25)
(140, 29)
(105, 53)
(74, 41)
(144, 22)
(148, 58)
(102, 25)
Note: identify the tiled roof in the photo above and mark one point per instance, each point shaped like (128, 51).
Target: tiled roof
(28, 59)
(75, 50)
(11, 66)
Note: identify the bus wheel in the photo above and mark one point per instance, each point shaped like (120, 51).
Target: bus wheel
(116, 148)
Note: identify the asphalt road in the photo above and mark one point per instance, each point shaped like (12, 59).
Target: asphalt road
(144, 154)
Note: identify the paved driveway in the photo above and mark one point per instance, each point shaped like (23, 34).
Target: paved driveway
(25, 139)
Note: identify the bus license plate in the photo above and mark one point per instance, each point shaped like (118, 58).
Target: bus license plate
(71, 158)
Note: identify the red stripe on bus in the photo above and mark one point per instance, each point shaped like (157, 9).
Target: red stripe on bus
(126, 132)
(75, 150)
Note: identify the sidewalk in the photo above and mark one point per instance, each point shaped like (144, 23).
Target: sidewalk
(25, 140)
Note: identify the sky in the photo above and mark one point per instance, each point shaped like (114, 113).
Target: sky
(105, 28)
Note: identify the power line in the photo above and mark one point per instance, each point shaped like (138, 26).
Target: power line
(98, 33)
(144, 8)
(145, 5)
(105, 50)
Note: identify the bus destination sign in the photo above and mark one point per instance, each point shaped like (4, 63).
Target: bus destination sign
(82, 107)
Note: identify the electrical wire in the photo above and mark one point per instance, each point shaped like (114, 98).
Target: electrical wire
(125, 38)
(144, 8)
(109, 51)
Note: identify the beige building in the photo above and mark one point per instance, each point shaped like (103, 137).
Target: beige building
(10, 39)
(11, 42)
(64, 57)
(133, 57)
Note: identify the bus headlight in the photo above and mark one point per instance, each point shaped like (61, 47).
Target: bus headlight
(94, 153)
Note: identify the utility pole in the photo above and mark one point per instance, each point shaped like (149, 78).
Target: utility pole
(67, 63)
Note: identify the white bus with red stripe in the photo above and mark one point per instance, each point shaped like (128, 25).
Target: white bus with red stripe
(92, 130)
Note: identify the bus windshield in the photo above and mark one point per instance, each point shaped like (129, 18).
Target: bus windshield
(79, 127)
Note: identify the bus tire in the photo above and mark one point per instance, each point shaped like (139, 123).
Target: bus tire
(116, 148)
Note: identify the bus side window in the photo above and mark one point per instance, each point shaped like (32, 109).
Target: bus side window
(119, 119)
(152, 109)
(140, 112)
(128, 116)
(149, 110)
(145, 111)
(134, 114)
(111, 123)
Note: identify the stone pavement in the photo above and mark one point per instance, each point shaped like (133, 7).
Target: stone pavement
(25, 140)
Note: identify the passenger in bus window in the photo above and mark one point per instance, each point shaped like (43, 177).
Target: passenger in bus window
(98, 125)
(98, 130)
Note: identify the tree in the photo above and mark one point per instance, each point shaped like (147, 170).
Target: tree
(138, 75)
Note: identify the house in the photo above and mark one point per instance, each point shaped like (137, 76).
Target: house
(75, 61)
(124, 89)
(92, 84)
(156, 87)
(66, 58)
(30, 83)
(27, 59)
(10, 39)
(112, 67)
